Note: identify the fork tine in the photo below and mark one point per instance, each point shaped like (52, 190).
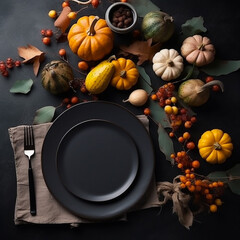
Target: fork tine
(31, 136)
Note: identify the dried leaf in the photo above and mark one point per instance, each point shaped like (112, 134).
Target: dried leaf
(142, 49)
(22, 86)
(63, 21)
(33, 55)
(143, 6)
(44, 115)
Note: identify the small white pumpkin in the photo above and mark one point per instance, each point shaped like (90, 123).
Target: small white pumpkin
(167, 64)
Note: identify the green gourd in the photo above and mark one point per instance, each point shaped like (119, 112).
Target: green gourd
(158, 25)
(56, 76)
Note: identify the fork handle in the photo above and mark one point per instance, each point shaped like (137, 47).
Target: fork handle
(32, 192)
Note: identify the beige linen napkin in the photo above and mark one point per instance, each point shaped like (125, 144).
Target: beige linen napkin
(48, 209)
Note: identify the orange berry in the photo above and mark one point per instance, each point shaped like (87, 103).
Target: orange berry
(183, 153)
(182, 185)
(172, 155)
(187, 175)
(181, 139)
(188, 124)
(183, 179)
(209, 196)
(192, 175)
(188, 183)
(187, 171)
(191, 188)
(215, 184)
(213, 208)
(154, 97)
(146, 111)
(190, 145)
(206, 191)
(180, 165)
(83, 89)
(65, 4)
(193, 119)
(74, 100)
(171, 134)
(186, 135)
(62, 52)
(220, 184)
(168, 101)
(46, 40)
(198, 182)
(83, 65)
(195, 164)
(218, 202)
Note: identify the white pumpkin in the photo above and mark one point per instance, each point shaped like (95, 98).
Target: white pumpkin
(167, 64)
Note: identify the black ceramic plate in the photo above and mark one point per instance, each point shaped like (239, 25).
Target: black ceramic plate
(125, 119)
(97, 160)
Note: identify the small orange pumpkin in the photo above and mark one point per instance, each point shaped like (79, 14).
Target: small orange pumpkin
(126, 74)
(90, 38)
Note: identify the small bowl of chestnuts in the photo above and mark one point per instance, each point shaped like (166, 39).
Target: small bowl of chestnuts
(121, 17)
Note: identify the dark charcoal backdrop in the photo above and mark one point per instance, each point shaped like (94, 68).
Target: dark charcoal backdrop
(20, 24)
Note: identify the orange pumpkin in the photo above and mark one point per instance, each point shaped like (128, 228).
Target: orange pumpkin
(126, 74)
(90, 38)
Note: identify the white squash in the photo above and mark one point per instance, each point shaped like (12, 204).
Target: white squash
(167, 64)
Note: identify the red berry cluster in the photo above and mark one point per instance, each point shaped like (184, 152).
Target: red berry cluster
(8, 64)
(46, 36)
(177, 115)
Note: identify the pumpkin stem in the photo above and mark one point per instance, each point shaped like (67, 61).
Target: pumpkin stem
(217, 146)
(170, 63)
(113, 57)
(123, 74)
(201, 48)
(91, 31)
(168, 18)
(210, 84)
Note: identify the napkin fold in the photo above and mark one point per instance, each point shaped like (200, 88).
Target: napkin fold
(49, 210)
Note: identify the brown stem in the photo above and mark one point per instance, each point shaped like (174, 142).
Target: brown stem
(168, 18)
(217, 146)
(113, 57)
(170, 63)
(91, 31)
(123, 74)
(201, 48)
(210, 84)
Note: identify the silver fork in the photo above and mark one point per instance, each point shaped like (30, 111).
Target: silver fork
(29, 150)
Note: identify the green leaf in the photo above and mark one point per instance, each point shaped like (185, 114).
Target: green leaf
(44, 115)
(143, 7)
(190, 71)
(221, 67)
(165, 143)
(193, 26)
(144, 80)
(158, 114)
(217, 176)
(22, 86)
(234, 179)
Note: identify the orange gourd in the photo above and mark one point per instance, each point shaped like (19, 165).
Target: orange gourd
(126, 74)
(90, 38)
